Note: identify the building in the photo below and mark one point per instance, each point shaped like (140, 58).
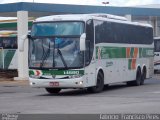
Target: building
(154, 20)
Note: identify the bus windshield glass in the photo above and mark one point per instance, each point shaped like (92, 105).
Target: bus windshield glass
(56, 45)
(57, 28)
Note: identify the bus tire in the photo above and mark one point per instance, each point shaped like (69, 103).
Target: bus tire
(143, 76)
(53, 90)
(138, 80)
(100, 84)
(155, 71)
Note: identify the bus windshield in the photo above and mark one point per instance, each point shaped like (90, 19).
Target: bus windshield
(56, 45)
(57, 28)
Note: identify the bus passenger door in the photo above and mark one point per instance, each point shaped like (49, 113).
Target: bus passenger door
(90, 64)
(90, 54)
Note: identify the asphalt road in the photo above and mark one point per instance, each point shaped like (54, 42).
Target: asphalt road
(21, 98)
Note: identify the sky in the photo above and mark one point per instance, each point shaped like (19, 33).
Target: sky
(91, 2)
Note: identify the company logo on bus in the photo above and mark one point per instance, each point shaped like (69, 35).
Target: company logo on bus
(37, 72)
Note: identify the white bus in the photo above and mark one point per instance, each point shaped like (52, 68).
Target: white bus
(89, 51)
(156, 54)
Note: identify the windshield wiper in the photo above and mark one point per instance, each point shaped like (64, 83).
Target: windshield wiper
(45, 56)
(62, 58)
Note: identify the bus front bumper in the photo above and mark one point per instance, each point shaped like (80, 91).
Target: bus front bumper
(57, 83)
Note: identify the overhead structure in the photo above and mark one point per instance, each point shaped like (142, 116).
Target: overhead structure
(23, 10)
(41, 9)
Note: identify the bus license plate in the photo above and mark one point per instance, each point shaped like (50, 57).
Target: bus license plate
(54, 84)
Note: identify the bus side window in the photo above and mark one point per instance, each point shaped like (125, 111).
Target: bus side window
(10, 43)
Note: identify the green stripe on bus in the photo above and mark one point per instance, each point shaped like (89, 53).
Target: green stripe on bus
(111, 52)
(12, 25)
(31, 72)
(132, 53)
(8, 56)
(120, 52)
(130, 64)
(57, 72)
(146, 52)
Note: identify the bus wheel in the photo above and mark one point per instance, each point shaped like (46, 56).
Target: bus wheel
(100, 84)
(138, 80)
(155, 71)
(53, 90)
(143, 76)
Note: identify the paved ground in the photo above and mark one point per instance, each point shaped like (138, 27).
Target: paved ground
(17, 96)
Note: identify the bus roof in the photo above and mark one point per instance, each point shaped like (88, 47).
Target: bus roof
(85, 17)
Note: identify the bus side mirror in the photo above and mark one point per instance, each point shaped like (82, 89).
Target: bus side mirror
(21, 43)
(83, 42)
(29, 36)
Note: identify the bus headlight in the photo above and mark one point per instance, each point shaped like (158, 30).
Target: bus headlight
(80, 82)
(32, 83)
